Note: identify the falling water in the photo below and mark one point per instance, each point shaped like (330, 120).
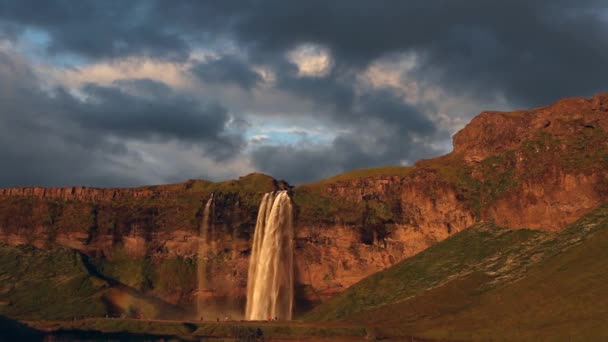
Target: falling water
(270, 279)
(201, 265)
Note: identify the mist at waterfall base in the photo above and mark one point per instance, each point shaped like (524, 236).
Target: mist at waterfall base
(270, 277)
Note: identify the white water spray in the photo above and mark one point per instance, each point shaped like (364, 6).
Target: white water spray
(205, 228)
(270, 278)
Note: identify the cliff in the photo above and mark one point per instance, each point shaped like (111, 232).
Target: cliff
(541, 169)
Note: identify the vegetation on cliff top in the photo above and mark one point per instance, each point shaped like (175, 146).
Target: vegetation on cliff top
(354, 175)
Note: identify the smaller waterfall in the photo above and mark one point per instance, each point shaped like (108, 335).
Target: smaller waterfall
(205, 229)
(270, 278)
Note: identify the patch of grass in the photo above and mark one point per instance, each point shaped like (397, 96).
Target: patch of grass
(47, 284)
(316, 204)
(134, 272)
(175, 274)
(374, 172)
(585, 152)
(317, 207)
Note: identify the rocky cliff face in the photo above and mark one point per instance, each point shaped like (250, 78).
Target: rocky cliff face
(537, 168)
(541, 169)
(555, 156)
(492, 133)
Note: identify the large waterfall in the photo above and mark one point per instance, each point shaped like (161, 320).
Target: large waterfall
(270, 279)
(205, 228)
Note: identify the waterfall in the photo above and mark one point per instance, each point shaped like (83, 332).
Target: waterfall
(270, 278)
(205, 228)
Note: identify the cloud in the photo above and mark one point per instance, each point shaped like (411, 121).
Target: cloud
(529, 52)
(312, 60)
(149, 110)
(96, 29)
(227, 69)
(99, 135)
(173, 74)
(259, 139)
(383, 131)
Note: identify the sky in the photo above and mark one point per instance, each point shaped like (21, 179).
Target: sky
(126, 93)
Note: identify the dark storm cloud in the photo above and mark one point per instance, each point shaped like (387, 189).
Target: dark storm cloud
(56, 138)
(97, 29)
(532, 52)
(296, 164)
(335, 90)
(382, 131)
(37, 147)
(149, 110)
(227, 69)
(154, 112)
(529, 52)
(309, 162)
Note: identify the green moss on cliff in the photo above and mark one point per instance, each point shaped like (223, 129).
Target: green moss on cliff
(585, 152)
(316, 207)
(175, 274)
(134, 272)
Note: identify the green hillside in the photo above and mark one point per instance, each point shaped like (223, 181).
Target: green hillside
(39, 284)
(491, 283)
(60, 284)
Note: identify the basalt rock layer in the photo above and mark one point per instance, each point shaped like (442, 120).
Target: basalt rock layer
(541, 168)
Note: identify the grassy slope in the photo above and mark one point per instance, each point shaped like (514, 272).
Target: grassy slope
(56, 284)
(487, 283)
(36, 284)
(445, 260)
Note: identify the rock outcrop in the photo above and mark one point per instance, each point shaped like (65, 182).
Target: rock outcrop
(540, 168)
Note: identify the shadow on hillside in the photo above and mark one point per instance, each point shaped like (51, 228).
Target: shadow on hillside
(80, 335)
(11, 330)
(168, 310)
